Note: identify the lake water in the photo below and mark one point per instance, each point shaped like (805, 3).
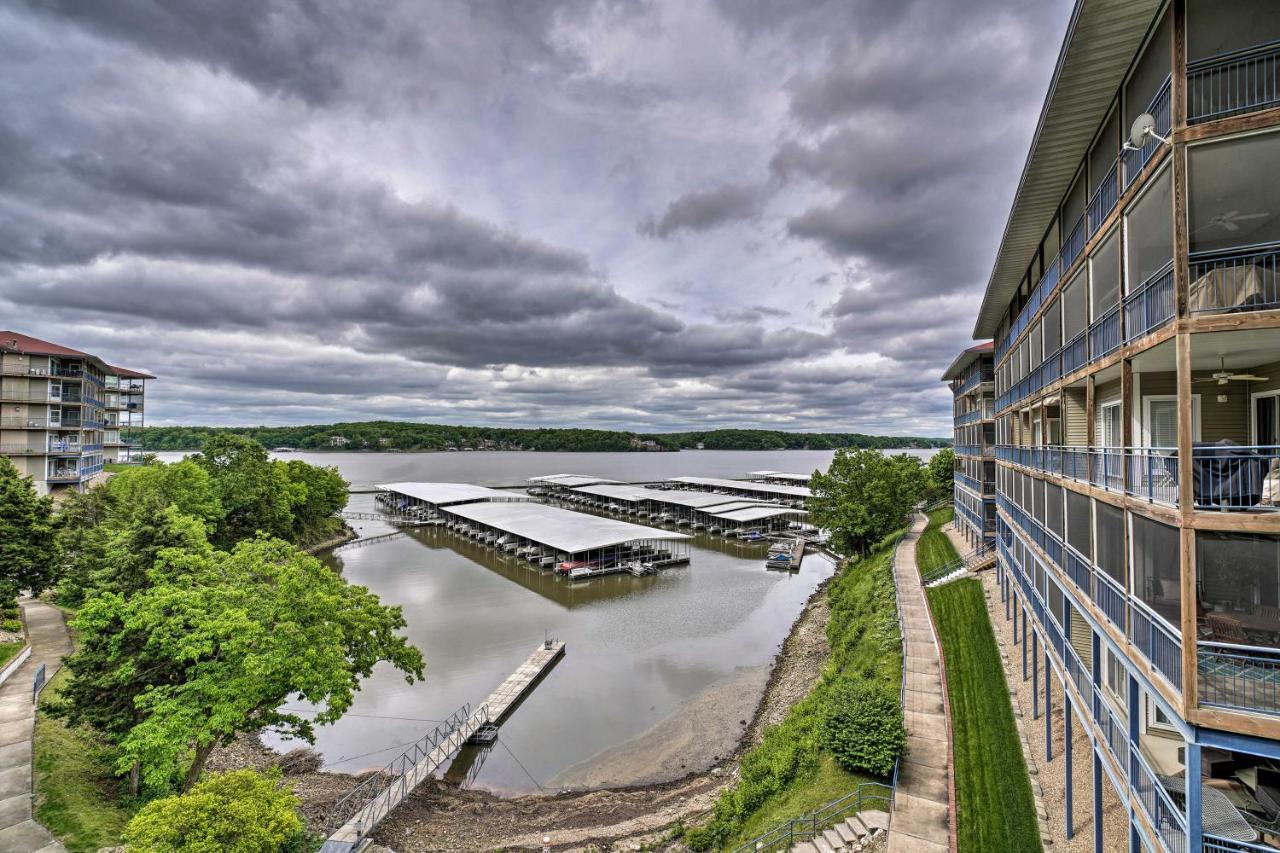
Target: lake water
(689, 645)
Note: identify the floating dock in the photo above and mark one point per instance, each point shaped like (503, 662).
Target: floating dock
(790, 495)
(786, 554)
(374, 799)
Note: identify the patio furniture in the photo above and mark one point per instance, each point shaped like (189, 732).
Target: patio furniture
(1226, 629)
(1224, 474)
(1220, 817)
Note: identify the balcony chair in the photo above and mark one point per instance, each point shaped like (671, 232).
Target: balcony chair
(1224, 629)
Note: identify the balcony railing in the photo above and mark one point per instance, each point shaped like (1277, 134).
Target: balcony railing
(1150, 306)
(1136, 158)
(1153, 474)
(1167, 818)
(1104, 333)
(1239, 677)
(1240, 279)
(1158, 644)
(1104, 199)
(1075, 353)
(1236, 477)
(1233, 83)
(1073, 246)
(63, 475)
(970, 417)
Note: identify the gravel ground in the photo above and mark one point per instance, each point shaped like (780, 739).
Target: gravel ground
(1051, 776)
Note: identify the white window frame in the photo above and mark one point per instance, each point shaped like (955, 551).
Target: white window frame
(1098, 417)
(1197, 414)
(1253, 412)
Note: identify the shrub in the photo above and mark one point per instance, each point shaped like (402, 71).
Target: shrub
(238, 812)
(14, 625)
(863, 728)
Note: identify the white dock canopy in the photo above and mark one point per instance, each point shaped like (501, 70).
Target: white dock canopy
(569, 481)
(450, 494)
(742, 487)
(782, 477)
(759, 513)
(561, 529)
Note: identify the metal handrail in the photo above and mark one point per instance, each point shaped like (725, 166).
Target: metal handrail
(808, 827)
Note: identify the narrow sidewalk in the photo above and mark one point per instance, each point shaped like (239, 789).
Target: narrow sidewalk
(50, 642)
(921, 813)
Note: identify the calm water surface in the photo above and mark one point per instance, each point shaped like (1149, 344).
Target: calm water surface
(638, 648)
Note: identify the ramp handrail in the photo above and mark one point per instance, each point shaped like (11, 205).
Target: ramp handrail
(385, 779)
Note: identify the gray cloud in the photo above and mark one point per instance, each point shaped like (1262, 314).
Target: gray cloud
(306, 212)
(701, 210)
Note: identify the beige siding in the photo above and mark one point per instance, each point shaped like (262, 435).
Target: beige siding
(1075, 427)
(1229, 420)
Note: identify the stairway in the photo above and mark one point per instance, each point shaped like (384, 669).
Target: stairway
(850, 834)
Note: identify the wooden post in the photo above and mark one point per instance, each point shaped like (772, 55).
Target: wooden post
(1126, 419)
(1089, 410)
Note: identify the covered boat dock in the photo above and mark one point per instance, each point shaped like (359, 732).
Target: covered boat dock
(423, 501)
(794, 496)
(780, 478)
(715, 513)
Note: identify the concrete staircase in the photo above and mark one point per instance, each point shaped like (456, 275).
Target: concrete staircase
(962, 571)
(853, 833)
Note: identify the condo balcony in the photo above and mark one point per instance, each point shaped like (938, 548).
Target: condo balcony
(1233, 83)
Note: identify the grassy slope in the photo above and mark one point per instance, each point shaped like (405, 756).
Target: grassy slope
(865, 640)
(934, 550)
(994, 806)
(8, 650)
(77, 797)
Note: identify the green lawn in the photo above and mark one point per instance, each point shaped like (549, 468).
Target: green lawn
(8, 650)
(827, 783)
(934, 550)
(994, 806)
(77, 797)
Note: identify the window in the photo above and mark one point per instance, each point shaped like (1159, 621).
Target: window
(1160, 420)
(1104, 275)
(1215, 27)
(1075, 310)
(1109, 521)
(1115, 679)
(1107, 430)
(1238, 584)
(1149, 232)
(1053, 508)
(1150, 72)
(1266, 418)
(1227, 206)
(1156, 568)
(1079, 530)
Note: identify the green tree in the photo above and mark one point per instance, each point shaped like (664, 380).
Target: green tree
(864, 496)
(82, 529)
(255, 494)
(324, 492)
(941, 472)
(185, 485)
(863, 727)
(238, 812)
(215, 645)
(28, 549)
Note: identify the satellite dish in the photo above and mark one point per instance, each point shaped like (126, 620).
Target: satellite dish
(1144, 128)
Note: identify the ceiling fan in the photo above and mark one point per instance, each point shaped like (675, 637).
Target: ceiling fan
(1230, 220)
(1223, 376)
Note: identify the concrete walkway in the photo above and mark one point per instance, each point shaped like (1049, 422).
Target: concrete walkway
(19, 832)
(921, 812)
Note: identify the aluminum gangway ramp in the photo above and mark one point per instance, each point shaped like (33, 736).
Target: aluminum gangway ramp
(365, 807)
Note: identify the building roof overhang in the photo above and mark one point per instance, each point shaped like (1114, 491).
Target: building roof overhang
(1102, 38)
(966, 358)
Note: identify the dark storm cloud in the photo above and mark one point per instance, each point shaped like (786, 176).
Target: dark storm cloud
(701, 210)
(271, 204)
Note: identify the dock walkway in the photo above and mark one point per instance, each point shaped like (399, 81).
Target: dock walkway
(921, 820)
(491, 712)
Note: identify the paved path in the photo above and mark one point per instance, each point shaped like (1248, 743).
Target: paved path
(19, 832)
(921, 814)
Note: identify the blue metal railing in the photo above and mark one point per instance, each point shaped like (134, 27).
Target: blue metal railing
(1153, 474)
(1150, 306)
(1075, 353)
(1238, 279)
(1137, 158)
(1236, 477)
(1233, 83)
(1104, 199)
(1157, 644)
(1239, 677)
(1110, 598)
(1167, 818)
(1073, 246)
(1104, 333)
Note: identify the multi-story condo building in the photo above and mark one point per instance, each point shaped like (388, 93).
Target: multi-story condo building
(65, 412)
(971, 377)
(1135, 308)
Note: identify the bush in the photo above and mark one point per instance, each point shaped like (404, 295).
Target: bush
(238, 812)
(13, 625)
(863, 728)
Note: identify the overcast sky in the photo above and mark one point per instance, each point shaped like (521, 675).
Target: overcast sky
(648, 215)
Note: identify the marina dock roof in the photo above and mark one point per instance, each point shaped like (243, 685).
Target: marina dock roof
(570, 480)
(782, 475)
(562, 529)
(755, 513)
(743, 485)
(445, 494)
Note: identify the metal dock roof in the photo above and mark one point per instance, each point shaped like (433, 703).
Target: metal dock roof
(570, 480)
(755, 513)
(444, 494)
(782, 475)
(562, 529)
(763, 488)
